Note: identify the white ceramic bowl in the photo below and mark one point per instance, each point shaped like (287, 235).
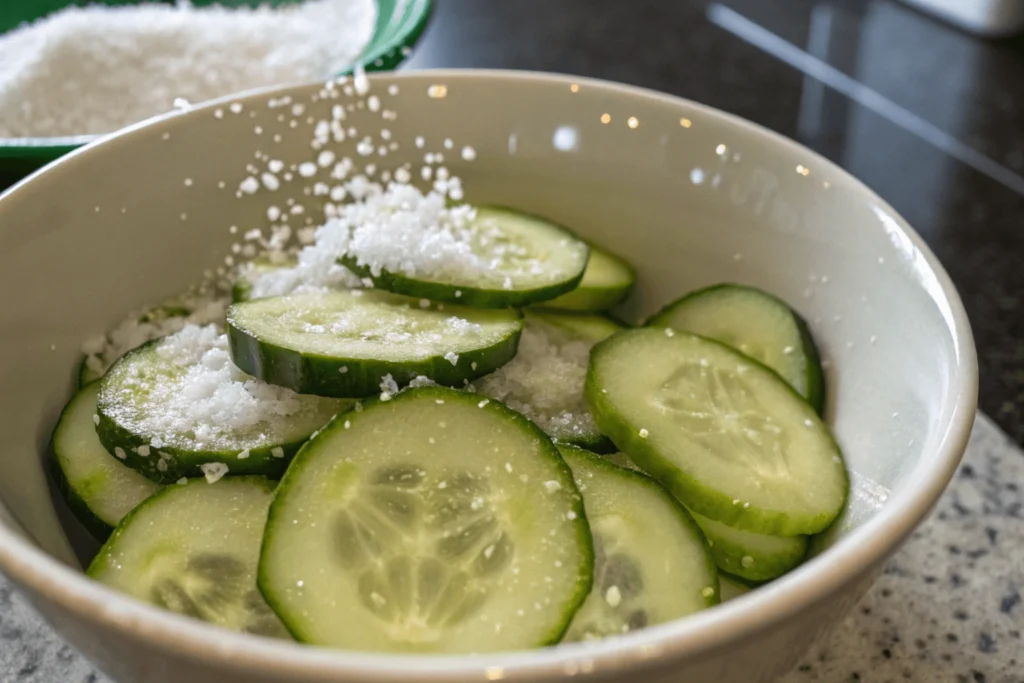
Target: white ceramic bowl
(690, 195)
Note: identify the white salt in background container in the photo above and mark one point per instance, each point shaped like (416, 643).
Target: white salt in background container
(72, 74)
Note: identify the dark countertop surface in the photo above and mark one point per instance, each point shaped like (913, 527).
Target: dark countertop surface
(929, 117)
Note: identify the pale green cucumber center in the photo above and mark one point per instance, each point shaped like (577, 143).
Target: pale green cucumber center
(433, 529)
(193, 549)
(724, 421)
(650, 565)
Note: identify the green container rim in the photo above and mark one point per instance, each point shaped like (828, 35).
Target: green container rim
(400, 23)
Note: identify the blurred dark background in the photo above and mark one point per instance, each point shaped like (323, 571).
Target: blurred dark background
(928, 115)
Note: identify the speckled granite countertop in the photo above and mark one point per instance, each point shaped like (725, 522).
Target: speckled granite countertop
(947, 608)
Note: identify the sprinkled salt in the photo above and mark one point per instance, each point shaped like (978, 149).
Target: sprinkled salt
(552, 486)
(644, 433)
(243, 454)
(613, 596)
(119, 452)
(277, 452)
(545, 380)
(452, 357)
(209, 404)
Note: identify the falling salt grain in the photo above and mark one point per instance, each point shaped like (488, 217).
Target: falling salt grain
(613, 596)
(481, 404)
(451, 357)
(243, 454)
(96, 420)
(468, 153)
(182, 481)
(277, 452)
(119, 452)
(249, 186)
(644, 433)
(552, 486)
(143, 451)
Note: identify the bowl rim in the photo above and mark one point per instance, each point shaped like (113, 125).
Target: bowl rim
(843, 565)
(406, 23)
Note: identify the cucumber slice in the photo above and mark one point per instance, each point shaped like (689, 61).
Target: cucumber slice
(756, 323)
(606, 282)
(726, 435)
(592, 328)
(499, 259)
(99, 489)
(177, 407)
(345, 343)
(753, 557)
(193, 549)
(248, 274)
(750, 556)
(544, 381)
(651, 563)
(434, 522)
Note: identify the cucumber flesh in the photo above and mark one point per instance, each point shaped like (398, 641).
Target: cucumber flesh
(345, 343)
(498, 259)
(193, 549)
(435, 522)
(750, 556)
(544, 381)
(757, 324)
(651, 563)
(727, 436)
(606, 282)
(177, 407)
(743, 554)
(100, 489)
(589, 327)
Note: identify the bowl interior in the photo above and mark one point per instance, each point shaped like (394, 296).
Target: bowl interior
(688, 195)
(399, 25)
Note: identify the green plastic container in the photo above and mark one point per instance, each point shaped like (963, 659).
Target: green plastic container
(399, 25)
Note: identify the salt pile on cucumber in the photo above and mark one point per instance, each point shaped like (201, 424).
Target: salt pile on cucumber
(421, 430)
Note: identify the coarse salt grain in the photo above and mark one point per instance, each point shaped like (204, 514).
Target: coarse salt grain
(544, 381)
(214, 471)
